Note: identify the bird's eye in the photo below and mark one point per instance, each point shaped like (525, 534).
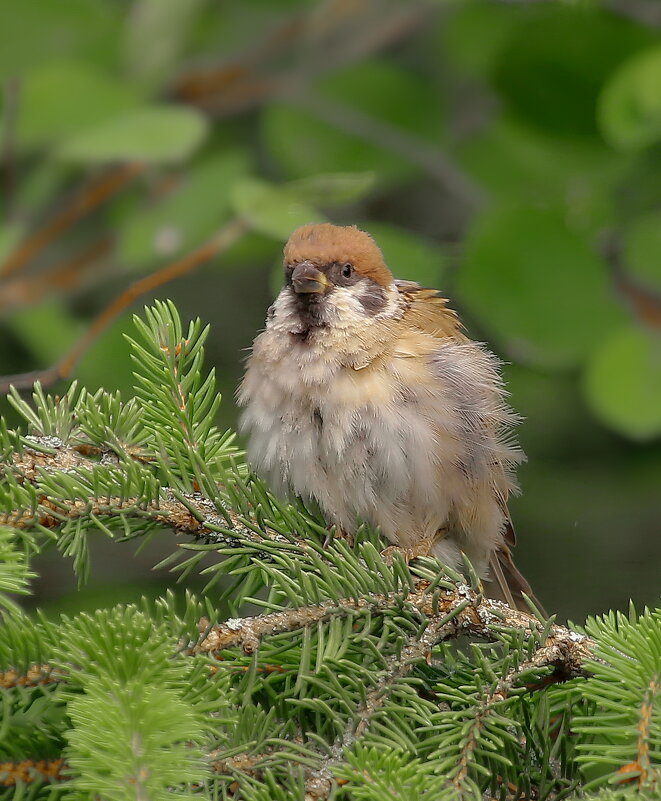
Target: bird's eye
(347, 270)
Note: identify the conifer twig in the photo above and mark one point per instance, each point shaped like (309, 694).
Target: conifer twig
(170, 513)
(35, 676)
(460, 612)
(642, 769)
(28, 771)
(195, 515)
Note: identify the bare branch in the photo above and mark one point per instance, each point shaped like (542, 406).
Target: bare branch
(224, 239)
(432, 160)
(82, 204)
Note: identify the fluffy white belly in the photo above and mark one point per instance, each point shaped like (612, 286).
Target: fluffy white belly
(357, 444)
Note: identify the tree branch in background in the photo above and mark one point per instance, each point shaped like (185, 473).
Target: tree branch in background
(355, 31)
(82, 204)
(223, 240)
(26, 289)
(433, 161)
(643, 301)
(647, 12)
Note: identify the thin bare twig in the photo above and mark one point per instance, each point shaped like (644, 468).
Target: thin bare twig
(246, 82)
(648, 13)
(83, 203)
(643, 301)
(431, 159)
(29, 289)
(224, 239)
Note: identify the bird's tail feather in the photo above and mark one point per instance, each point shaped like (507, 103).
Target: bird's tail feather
(507, 583)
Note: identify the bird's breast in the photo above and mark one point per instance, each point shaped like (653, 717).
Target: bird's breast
(355, 440)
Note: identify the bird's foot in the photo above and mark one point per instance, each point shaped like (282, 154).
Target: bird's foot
(337, 534)
(422, 548)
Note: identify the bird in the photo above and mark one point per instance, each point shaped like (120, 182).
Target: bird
(364, 395)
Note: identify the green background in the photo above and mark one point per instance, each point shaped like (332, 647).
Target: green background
(507, 153)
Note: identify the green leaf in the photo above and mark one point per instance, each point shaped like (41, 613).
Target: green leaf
(57, 100)
(516, 161)
(305, 145)
(629, 111)
(156, 34)
(475, 33)
(552, 69)
(187, 216)
(333, 189)
(158, 134)
(274, 211)
(537, 286)
(623, 383)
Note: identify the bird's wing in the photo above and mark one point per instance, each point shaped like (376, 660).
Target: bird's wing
(428, 311)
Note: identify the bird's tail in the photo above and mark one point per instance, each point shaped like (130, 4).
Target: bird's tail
(507, 583)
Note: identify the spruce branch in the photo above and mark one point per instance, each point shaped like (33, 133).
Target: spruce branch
(355, 681)
(44, 460)
(620, 740)
(35, 676)
(450, 613)
(30, 771)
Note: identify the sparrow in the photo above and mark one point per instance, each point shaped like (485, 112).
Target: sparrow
(363, 394)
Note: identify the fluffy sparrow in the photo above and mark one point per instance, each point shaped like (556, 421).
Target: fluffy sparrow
(364, 395)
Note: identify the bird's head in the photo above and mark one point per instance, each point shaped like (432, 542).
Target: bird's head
(333, 273)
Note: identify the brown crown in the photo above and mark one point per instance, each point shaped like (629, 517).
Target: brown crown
(324, 243)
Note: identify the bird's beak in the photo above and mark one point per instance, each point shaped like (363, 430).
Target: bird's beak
(306, 278)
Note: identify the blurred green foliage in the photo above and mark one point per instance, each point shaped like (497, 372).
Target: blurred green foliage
(494, 149)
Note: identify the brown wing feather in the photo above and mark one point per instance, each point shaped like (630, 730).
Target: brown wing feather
(428, 311)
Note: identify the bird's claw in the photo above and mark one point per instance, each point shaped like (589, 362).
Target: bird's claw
(337, 534)
(421, 549)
